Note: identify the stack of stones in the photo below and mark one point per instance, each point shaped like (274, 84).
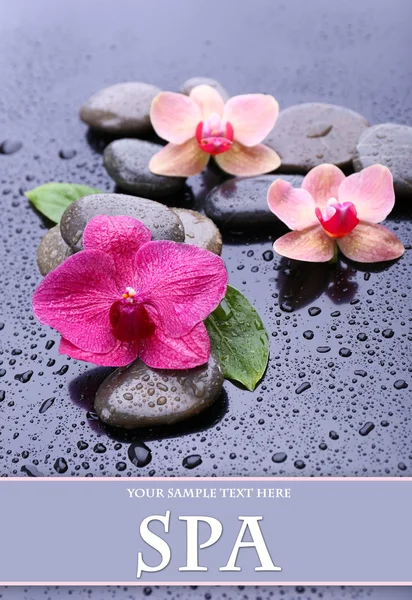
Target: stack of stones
(138, 396)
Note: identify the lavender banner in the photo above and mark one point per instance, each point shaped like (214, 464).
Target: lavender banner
(205, 531)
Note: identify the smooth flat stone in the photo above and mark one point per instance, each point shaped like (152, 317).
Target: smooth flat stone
(127, 162)
(307, 135)
(163, 222)
(138, 396)
(241, 203)
(52, 251)
(389, 144)
(189, 84)
(199, 230)
(120, 109)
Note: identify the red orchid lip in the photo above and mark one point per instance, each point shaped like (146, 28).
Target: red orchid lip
(213, 136)
(343, 220)
(125, 296)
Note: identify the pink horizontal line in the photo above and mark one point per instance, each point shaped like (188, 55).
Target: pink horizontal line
(200, 479)
(208, 583)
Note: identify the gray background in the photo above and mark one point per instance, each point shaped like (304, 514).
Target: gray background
(327, 531)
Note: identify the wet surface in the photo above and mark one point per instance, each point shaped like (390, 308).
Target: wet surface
(340, 336)
(336, 399)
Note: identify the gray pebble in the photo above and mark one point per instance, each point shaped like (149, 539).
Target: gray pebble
(389, 144)
(199, 230)
(138, 396)
(127, 162)
(241, 203)
(163, 223)
(121, 109)
(307, 135)
(189, 84)
(52, 251)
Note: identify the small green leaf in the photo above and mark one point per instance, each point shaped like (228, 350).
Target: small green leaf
(239, 339)
(52, 199)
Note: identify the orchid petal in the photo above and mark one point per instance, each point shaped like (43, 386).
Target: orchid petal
(174, 117)
(182, 282)
(75, 299)
(310, 245)
(370, 243)
(122, 354)
(248, 162)
(183, 160)
(323, 182)
(121, 237)
(160, 351)
(371, 191)
(295, 207)
(208, 100)
(252, 116)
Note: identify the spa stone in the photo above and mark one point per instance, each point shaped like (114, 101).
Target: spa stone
(127, 162)
(241, 203)
(199, 230)
(52, 251)
(121, 109)
(138, 396)
(189, 84)
(389, 144)
(307, 135)
(163, 222)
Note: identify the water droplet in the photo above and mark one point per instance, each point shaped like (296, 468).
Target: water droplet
(67, 154)
(323, 349)
(279, 457)
(10, 146)
(60, 466)
(46, 405)
(400, 384)
(100, 448)
(299, 464)
(139, 454)
(367, 428)
(24, 377)
(190, 462)
(303, 387)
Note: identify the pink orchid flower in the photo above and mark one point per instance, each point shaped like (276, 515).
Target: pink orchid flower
(203, 125)
(125, 296)
(331, 210)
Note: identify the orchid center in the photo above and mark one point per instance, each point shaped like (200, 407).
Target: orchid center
(129, 295)
(214, 136)
(129, 318)
(338, 219)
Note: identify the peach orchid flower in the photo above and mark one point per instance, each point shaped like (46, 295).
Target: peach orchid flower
(331, 211)
(203, 125)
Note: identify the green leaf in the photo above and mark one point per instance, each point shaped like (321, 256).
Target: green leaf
(239, 340)
(52, 199)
